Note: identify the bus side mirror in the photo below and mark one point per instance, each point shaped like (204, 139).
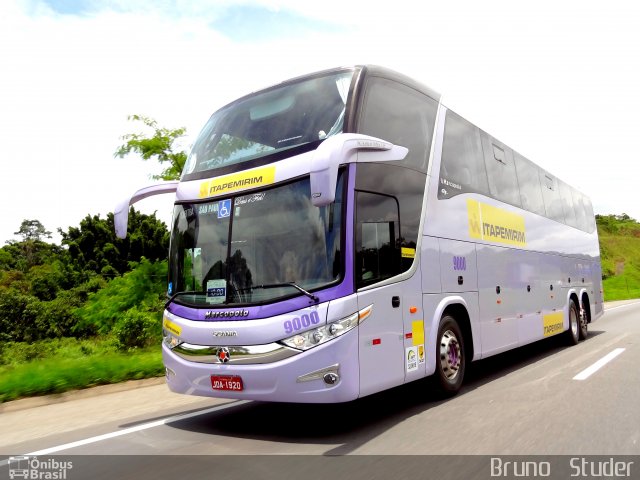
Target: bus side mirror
(121, 213)
(346, 148)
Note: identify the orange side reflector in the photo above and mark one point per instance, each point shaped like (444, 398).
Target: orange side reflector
(413, 309)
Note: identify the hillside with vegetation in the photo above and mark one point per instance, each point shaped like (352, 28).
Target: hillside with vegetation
(88, 311)
(82, 313)
(620, 249)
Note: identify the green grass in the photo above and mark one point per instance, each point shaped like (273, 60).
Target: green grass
(621, 287)
(57, 374)
(18, 353)
(620, 266)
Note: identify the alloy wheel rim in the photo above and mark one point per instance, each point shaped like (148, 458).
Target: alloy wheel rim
(573, 319)
(450, 355)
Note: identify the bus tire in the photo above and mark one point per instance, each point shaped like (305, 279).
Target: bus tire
(584, 325)
(451, 358)
(573, 334)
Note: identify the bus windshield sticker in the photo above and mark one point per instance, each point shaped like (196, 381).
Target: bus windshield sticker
(208, 208)
(408, 252)
(256, 197)
(224, 208)
(216, 291)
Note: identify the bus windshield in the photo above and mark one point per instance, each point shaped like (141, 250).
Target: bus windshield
(271, 121)
(250, 248)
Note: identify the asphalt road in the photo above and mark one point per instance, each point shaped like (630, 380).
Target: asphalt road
(544, 399)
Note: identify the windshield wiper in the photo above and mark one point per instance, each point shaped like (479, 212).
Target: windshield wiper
(285, 284)
(271, 285)
(177, 294)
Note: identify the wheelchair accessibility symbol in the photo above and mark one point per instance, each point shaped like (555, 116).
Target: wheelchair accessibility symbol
(224, 208)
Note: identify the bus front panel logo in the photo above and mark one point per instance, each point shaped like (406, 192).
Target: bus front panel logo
(223, 355)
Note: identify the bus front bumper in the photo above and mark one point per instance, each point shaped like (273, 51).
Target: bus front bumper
(325, 374)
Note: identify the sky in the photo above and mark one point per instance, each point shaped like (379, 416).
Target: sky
(558, 81)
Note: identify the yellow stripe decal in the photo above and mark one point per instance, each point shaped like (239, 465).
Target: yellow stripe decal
(494, 224)
(417, 332)
(172, 327)
(257, 177)
(553, 323)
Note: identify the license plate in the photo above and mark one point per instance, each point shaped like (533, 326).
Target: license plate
(227, 382)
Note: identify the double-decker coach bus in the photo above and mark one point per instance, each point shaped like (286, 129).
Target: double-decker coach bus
(344, 232)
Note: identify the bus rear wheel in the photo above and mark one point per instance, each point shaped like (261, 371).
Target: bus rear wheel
(451, 361)
(584, 322)
(573, 334)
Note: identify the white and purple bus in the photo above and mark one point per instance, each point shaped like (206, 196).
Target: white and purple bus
(344, 232)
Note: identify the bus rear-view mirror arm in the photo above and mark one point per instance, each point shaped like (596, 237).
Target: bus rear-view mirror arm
(121, 213)
(341, 149)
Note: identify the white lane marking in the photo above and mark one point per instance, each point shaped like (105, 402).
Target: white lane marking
(126, 431)
(620, 306)
(587, 372)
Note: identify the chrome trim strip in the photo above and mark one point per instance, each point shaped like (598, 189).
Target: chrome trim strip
(238, 355)
(318, 374)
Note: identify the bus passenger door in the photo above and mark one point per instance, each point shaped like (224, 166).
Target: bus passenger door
(381, 352)
(378, 258)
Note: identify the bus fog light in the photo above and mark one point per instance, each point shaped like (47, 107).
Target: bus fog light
(170, 340)
(331, 378)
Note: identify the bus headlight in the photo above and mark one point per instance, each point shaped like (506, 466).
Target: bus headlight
(170, 340)
(318, 336)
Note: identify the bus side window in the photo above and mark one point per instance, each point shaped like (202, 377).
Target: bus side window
(401, 115)
(462, 168)
(568, 204)
(529, 181)
(501, 172)
(582, 212)
(591, 219)
(551, 196)
(377, 238)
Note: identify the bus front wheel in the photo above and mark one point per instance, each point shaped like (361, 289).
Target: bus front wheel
(451, 361)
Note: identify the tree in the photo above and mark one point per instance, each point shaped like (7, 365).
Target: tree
(94, 247)
(16, 316)
(32, 230)
(143, 289)
(618, 224)
(160, 146)
(31, 250)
